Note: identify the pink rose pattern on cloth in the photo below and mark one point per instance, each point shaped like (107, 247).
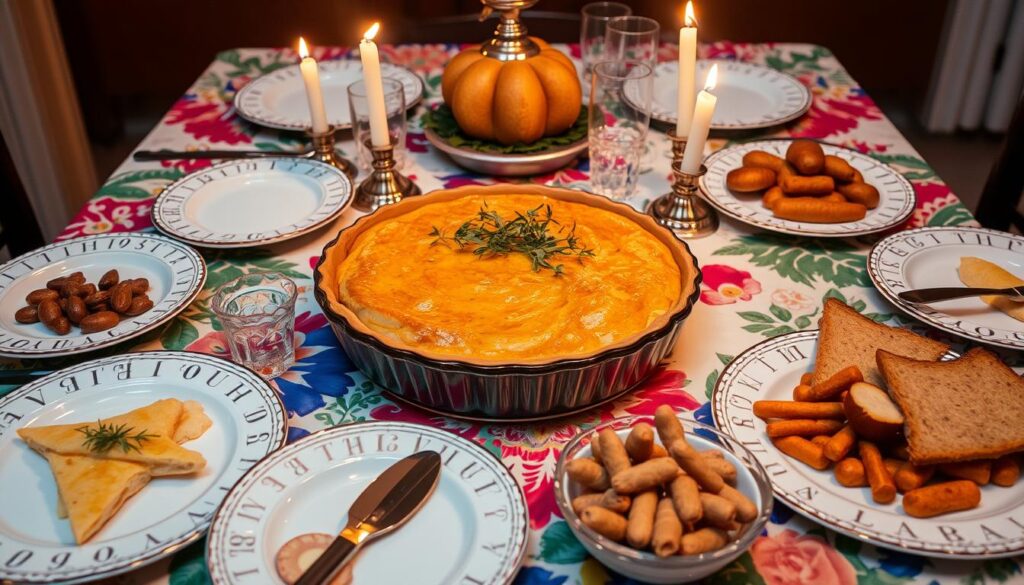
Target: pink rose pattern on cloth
(790, 559)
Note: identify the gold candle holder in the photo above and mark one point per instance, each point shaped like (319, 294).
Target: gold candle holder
(324, 151)
(385, 185)
(682, 209)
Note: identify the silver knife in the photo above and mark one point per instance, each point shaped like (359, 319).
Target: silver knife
(387, 503)
(934, 295)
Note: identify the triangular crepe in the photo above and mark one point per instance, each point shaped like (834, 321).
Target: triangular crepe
(160, 453)
(93, 490)
(193, 423)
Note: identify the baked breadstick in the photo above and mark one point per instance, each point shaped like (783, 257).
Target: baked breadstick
(648, 475)
(806, 377)
(613, 452)
(694, 465)
(1006, 470)
(812, 210)
(667, 529)
(838, 169)
(703, 540)
(841, 443)
(802, 392)
(835, 384)
(658, 451)
(806, 156)
(942, 498)
(802, 428)
(850, 473)
(765, 409)
(909, 477)
(640, 442)
(718, 511)
(821, 441)
(899, 451)
(980, 471)
(641, 519)
(746, 511)
(866, 195)
(765, 160)
(582, 502)
(771, 196)
(801, 449)
(720, 466)
(588, 473)
(686, 499)
(670, 429)
(749, 179)
(883, 489)
(605, 522)
(595, 448)
(814, 185)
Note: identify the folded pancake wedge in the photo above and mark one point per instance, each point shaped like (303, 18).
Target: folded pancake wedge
(93, 490)
(157, 421)
(194, 422)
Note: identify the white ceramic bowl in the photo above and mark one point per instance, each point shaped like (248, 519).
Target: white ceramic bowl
(752, 481)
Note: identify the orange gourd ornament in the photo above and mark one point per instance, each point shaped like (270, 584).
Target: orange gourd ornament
(513, 88)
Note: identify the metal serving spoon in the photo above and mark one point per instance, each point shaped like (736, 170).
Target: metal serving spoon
(934, 295)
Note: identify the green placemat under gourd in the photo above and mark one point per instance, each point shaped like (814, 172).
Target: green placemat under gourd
(442, 122)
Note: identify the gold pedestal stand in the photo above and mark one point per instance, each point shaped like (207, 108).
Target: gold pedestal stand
(323, 151)
(682, 210)
(385, 185)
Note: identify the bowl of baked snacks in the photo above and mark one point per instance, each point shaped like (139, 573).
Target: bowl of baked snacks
(666, 500)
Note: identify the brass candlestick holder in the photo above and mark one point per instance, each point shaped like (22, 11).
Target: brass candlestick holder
(385, 185)
(682, 209)
(324, 151)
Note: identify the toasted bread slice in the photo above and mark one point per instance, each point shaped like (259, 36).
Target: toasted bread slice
(970, 408)
(93, 490)
(848, 338)
(160, 453)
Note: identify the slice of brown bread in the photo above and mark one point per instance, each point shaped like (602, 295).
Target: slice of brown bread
(970, 408)
(848, 338)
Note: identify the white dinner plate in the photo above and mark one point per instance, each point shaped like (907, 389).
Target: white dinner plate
(236, 203)
(896, 194)
(749, 96)
(769, 371)
(36, 546)
(278, 99)
(929, 257)
(473, 529)
(175, 271)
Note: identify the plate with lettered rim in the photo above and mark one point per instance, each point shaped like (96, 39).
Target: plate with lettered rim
(36, 546)
(896, 194)
(929, 257)
(749, 96)
(175, 271)
(473, 529)
(278, 99)
(238, 204)
(769, 371)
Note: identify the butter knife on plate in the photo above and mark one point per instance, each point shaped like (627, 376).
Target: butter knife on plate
(387, 503)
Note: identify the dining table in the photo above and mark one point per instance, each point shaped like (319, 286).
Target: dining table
(756, 284)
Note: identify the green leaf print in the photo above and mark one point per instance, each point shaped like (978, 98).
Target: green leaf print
(850, 548)
(189, 567)
(953, 214)
(802, 260)
(712, 379)
(353, 406)
(122, 187)
(781, 313)
(798, 60)
(179, 334)
(904, 162)
(739, 572)
(558, 546)
(993, 571)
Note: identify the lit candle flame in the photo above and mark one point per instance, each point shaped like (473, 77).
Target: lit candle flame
(303, 51)
(371, 32)
(712, 79)
(689, 19)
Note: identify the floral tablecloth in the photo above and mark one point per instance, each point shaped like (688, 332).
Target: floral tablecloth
(756, 285)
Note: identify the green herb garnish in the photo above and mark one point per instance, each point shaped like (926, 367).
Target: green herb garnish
(528, 234)
(442, 121)
(104, 437)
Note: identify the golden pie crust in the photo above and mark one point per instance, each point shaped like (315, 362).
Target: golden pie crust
(446, 300)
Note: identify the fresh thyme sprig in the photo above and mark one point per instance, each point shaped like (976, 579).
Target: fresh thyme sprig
(105, 437)
(528, 233)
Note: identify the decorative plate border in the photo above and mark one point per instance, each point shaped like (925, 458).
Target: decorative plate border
(162, 311)
(168, 215)
(732, 414)
(518, 539)
(265, 399)
(884, 259)
(247, 100)
(798, 97)
(897, 194)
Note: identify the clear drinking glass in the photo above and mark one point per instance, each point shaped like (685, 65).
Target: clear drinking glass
(618, 125)
(596, 16)
(632, 38)
(359, 110)
(258, 314)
